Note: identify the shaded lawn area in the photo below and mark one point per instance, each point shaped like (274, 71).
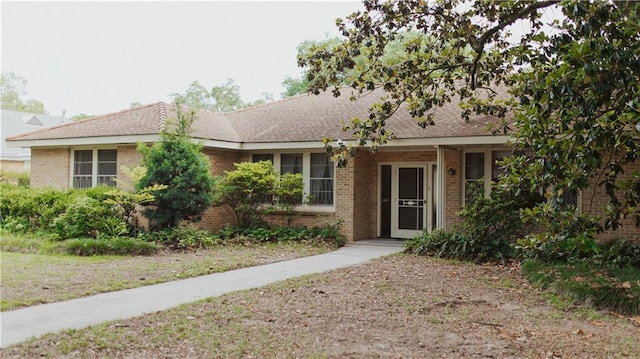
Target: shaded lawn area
(30, 279)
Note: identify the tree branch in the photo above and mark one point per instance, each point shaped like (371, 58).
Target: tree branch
(479, 48)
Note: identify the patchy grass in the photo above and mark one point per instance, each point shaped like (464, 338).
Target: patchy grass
(609, 287)
(30, 279)
(399, 306)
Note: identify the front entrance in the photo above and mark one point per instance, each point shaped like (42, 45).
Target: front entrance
(407, 199)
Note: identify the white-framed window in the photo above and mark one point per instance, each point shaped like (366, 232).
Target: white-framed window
(94, 167)
(480, 165)
(317, 169)
(321, 179)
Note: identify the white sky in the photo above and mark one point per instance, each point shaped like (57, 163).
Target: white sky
(98, 57)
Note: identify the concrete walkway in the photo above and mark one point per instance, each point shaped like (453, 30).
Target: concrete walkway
(22, 324)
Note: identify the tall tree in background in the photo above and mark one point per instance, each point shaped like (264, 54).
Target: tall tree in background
(294, 86)
(222, 98)
(298, 86)
(575, 85)
(13, 88)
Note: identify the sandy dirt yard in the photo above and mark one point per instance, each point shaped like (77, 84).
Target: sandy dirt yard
(396, 307)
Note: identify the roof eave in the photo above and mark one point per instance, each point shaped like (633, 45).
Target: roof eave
(257, 146)
(83, 141)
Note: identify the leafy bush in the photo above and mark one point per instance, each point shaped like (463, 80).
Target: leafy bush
(21, 179)
(458, 245)
(495, 218)
(248, 191)
(16, 225)
(569, 234)
(621, 252)
(328, 233)
(182, 237)
(38, 206)
(126, 198)
(254, 190)
(113, 246)
(490, 227)
(89, 217)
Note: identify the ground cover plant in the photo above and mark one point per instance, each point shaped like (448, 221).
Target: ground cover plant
(399, 306)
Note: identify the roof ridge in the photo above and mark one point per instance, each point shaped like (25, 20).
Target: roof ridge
(249, 108)
(72, 123)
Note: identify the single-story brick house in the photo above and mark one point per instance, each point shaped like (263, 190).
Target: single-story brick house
(416, 181)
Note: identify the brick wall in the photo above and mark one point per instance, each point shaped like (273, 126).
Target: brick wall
(344, 198)
(128, 156)
(14, 166)
(50, 167)
(453, 187)
(216, 218)
(594, 201)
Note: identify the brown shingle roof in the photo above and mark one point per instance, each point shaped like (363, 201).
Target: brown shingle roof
(300, 118)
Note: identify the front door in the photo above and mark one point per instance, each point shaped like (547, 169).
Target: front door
(412, 199)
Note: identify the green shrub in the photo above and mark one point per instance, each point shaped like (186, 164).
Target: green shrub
(17, 225)
(38, 206)
(21, 179)
(490, 227)
(254, 190)
(622, 252)
(114, 246)
(496, 217)
(330, 233)
(458, 245)
(548, 247)
(182, 237)
(248, 191)
(179, 164)
(89, 217)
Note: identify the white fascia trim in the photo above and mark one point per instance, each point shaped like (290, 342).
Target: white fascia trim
(84, 141)
(319, 145)
(265, 146)
(450, 141)
(258, 146)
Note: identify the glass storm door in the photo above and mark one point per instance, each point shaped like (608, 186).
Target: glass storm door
(410, 203)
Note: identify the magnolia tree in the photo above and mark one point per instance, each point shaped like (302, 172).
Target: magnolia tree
(571, 66)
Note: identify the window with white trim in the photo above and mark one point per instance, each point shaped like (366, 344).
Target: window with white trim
(321, 179)
(473, 174)
(317, 171)
(479, 165)
(94, 167)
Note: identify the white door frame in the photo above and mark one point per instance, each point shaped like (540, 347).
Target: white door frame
(428, 191)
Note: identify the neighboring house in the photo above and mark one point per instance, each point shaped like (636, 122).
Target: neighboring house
(418, 180)
(13, 123)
